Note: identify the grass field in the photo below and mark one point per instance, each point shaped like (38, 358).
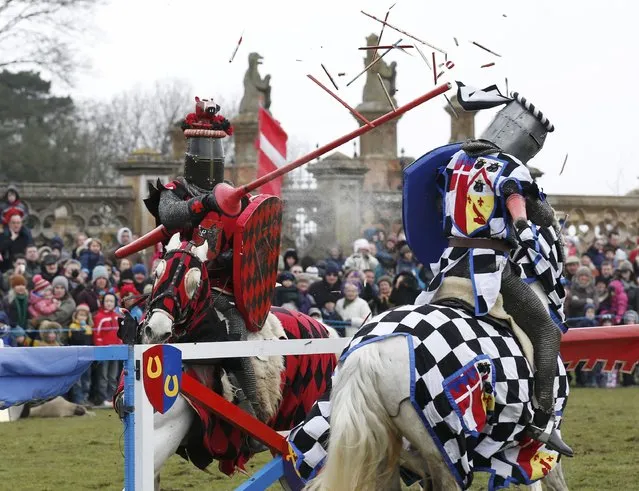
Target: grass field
(85, 453)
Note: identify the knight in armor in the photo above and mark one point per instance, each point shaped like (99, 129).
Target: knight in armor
(183, 203)
(488, 202)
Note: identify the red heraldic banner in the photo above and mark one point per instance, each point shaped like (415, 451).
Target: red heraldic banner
(271, 151)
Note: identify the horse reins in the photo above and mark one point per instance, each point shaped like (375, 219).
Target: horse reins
(172, 293)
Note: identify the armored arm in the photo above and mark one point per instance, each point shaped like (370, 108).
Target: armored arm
(177, 214)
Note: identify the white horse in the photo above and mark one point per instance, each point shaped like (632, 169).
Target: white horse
(374, 426)
(180, 293)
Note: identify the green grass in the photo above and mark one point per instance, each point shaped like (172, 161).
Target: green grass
(86, 453)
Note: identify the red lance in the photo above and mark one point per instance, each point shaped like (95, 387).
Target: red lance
(228, 198)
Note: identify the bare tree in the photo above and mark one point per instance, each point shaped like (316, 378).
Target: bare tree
(40, 33)
(140, 118)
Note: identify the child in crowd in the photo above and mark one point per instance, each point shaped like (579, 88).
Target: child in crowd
(589, 314)
(19, 337)
(139, 277)
(92, 256)
(49, 334)
(81, 327)
(328, 312)
(41, 301)
(81, 334)
(105, 333)
(286, 295)
(128, 297)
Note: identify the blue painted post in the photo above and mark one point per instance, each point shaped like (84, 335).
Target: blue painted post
(266, 476)
(129, 420)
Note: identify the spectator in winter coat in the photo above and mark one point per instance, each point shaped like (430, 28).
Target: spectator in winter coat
(33, 261)
(582, 292)
(92, 296)
(305, 300)
(381, 302)
(105, 333)
(19, 267)
(589, 317)
(124, 236)
(41, 301)
(5, 330)
(571, 267)
(19, 302)
(618, 301)
(607, 270)
(328, 289)
(129, 297)
(351, 308)
(140, 278)
(335, 258)
(64, 314)
(81, 334)
(626, 274)
(11, 203)
(286, 294)
(79, 245)
(405, 289)
(596, 252)
(329, 313)
(49, 333)
(361, 258)
(92, 256)
(290, 259)
(50, 268)
(14, 240)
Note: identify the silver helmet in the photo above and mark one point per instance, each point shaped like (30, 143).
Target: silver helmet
(519, 129)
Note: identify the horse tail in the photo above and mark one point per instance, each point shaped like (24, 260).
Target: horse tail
(364, 445)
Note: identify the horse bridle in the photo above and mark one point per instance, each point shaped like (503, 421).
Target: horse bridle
(171, 292)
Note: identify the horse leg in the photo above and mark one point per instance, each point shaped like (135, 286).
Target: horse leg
(170, 429)
(394, 388)
(555, 480)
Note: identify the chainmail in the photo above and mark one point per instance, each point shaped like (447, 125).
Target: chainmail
(479, 148)
(174, 212)
(237, 332)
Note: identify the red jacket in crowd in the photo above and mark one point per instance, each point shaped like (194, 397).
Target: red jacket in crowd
(105, 330)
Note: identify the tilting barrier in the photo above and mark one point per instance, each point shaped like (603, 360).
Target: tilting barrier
(613, 345)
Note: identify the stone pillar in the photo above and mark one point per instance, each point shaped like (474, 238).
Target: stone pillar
(244, 168)
(141, 167)
(378, 149)
(462, 127)
(340, 181)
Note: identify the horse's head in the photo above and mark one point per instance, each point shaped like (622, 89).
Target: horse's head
(179, 291)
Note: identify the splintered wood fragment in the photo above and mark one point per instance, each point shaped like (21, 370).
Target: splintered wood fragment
(341, 74)
(329, 76)
(506, 86)
(373, 62)
(421, 53)
(236, 47)
(456, 42)
(485, 48)
(390, 100)
(488, 65)
(381, 33)
(403, 32)
(387, 46)
(434, 69)
(342, 102)
(450, 104)
(564, 165)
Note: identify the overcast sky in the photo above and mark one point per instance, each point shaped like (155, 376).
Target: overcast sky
(571, 59)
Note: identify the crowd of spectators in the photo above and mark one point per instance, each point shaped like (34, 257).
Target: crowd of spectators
(54, 294)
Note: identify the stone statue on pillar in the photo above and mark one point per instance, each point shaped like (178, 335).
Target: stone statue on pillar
(373, 91)
(257, 90)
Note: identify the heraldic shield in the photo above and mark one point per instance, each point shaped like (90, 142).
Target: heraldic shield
(256, 249)
(162, 376)
(423, 222)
